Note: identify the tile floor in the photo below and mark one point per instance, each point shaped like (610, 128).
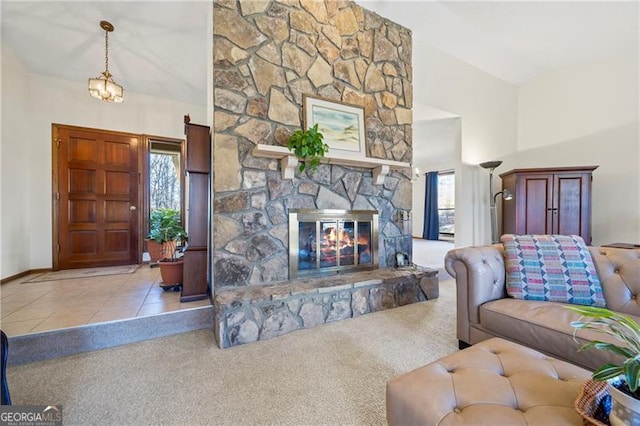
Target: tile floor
(33, 307)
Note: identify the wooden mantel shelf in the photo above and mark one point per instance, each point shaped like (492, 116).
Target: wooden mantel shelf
(289, 162)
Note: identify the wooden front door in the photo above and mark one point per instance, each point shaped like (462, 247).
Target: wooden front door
(95, 198)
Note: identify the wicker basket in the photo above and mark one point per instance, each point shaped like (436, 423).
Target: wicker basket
(588, 399)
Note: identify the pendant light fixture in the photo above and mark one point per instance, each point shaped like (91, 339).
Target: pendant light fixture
(104, 87)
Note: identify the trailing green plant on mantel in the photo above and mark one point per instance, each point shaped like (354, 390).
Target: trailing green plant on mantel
(308, 145)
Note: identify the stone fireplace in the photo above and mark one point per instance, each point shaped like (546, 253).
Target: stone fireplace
(268, 54)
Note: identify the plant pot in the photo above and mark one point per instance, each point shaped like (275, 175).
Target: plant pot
(155, 251)
(171, 271)
(625, 409)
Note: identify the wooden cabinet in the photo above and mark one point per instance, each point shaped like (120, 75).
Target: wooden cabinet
(548, 201)
(198, 168)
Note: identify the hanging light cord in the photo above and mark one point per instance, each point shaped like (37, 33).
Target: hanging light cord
(106, 53)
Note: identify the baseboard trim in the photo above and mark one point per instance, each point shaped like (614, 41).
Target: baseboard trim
(46, 345)
(24, 274)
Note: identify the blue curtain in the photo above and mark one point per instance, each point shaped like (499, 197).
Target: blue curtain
(431, 229)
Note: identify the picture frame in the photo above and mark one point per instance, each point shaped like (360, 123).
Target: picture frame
(341, 124)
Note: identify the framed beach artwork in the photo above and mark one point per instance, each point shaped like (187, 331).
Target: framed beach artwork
(342, 125)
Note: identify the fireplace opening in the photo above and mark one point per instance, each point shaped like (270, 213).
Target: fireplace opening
(331, 241)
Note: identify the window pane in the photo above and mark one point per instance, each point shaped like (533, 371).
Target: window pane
(164, 181)
(446, 203)
(446, 191)
(446, 220)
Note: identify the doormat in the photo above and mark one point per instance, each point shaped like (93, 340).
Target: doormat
(69, 274)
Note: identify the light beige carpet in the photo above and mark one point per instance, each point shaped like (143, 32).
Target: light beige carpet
(334, 374)
(69, 274)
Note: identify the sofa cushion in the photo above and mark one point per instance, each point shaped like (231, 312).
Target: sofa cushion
(556, 268)
(547, 327)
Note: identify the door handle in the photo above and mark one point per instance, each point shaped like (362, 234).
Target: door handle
(132, 208)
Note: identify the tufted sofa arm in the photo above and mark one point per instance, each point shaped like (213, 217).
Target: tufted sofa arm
(619, 273)
(480, 277)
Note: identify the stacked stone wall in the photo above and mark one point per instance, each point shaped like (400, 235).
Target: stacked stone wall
(246, 315)
(267, 55)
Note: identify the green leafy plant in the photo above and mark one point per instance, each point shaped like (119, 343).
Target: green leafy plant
(625, 330)
(308, 145)
(165, 228)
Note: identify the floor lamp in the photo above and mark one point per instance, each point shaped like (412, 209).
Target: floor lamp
(491, 166)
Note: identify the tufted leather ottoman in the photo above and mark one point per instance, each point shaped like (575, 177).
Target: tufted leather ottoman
(493, 382)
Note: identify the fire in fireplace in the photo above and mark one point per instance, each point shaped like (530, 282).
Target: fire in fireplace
(331, 241)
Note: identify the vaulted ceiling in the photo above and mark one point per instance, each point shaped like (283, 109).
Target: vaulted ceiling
(158, 48)
(161, 48)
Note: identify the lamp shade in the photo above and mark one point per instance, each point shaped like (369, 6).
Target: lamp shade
(103, 87)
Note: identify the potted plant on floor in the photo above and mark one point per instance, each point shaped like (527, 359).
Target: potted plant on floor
(623, 377)
(167, 230)
(154, 248)
(308, 145)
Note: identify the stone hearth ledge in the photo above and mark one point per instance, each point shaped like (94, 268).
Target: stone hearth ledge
(249, 314)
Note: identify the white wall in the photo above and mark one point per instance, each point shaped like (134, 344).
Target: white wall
(53, 100)
(577, 101)
(588, 115)
(585, 114)
(437, 141)
(15, 232)
(487, 107)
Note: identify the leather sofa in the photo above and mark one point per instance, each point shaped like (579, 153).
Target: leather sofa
(484, 310)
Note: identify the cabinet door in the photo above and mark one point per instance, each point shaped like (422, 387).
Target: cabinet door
(572, 205)
(198, 148)
(535, 209)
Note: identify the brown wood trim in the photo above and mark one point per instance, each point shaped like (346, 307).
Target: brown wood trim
(183, 182)
(551, 170)
(146, 150)
(24, 274)
(143, 194)
(94, 130)
(55, 237)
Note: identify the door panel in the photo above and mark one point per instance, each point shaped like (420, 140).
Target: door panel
(96, 221)
(538, 198)
(569, 205)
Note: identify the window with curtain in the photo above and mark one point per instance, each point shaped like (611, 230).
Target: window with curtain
(446, 204)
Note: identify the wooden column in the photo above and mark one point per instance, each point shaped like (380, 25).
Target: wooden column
(198, 167)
